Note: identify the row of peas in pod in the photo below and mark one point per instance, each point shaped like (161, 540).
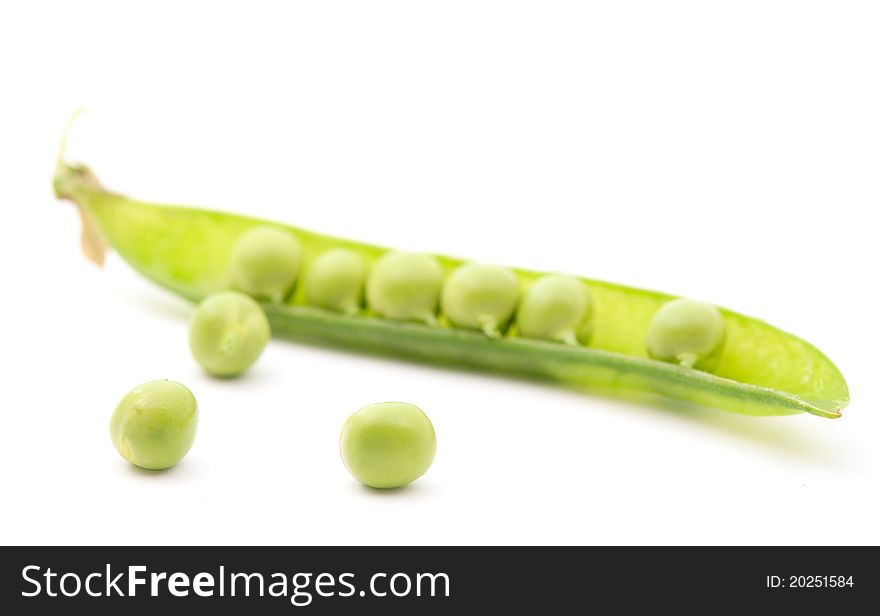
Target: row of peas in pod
(265, 263)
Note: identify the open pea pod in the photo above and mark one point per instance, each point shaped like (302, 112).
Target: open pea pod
(762, 371)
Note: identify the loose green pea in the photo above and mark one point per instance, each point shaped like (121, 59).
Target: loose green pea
(687, 332)
(227, 333)
(264, 263)
(335, 281)
(154, 424)
(556, 307)
(405, 286)
(388, 445)
(481, 296)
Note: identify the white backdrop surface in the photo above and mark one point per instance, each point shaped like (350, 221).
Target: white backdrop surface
(724, 151)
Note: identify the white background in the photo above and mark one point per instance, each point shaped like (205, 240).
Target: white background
(725, 151)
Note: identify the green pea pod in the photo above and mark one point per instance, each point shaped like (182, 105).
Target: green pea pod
(763, 370)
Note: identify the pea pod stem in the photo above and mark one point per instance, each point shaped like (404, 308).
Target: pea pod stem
(687, 360)
(568, 337)
(763, 370)
(489, 326)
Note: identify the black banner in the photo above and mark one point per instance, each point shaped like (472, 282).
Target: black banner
(431, 580)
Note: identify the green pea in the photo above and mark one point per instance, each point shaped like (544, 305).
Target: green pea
(481, 296)
(227, 333)
(556, 307)
(335, 281)
(405, 286)
(264, 263)
(687, 332)
(388, 445)
(154, 424)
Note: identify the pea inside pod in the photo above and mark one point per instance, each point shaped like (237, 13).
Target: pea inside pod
(686, 332)
(481, 297)
(264, 263)
(335, 281)
(405, 286)
(556, 307)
